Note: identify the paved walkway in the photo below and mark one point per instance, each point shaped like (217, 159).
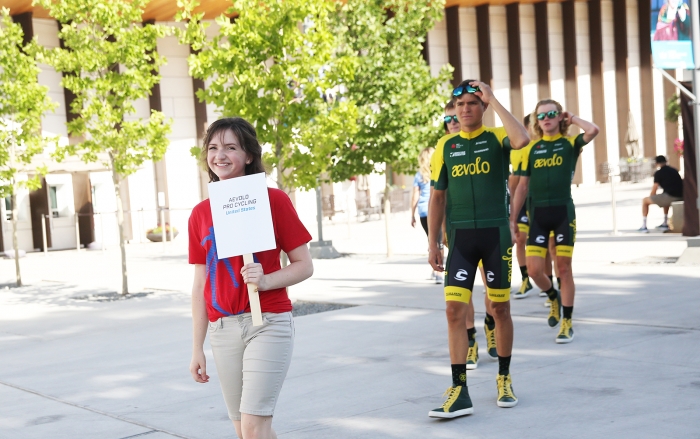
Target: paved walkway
(78, 368)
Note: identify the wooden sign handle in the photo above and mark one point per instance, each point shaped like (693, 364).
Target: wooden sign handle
(253, 296)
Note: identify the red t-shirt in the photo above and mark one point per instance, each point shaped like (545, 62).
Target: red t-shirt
(224, 290)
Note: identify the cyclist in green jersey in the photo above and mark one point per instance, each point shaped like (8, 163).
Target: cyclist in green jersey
(451, 123)
(549, 171)
(523, 221)
(474, 165)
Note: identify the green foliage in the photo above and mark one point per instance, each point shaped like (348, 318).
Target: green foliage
(673, 109)
(397, 98)
(23, 102)
(108, 61)
(272, 65)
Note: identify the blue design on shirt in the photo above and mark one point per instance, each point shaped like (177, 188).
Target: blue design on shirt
(212, 263)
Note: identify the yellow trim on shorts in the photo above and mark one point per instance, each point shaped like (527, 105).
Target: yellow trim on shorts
(533, 250)
(481, 263)
(498, 294)
(551, 234)
(566, 251)
(524, 228)
(457, 294)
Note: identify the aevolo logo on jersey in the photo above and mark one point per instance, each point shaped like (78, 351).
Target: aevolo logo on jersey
(540, 239)
(555, 160)
(478, 167)
(461, 274)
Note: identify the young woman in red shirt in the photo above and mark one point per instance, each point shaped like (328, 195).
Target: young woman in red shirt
(252, 361)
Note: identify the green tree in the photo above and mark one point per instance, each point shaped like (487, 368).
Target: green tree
(108, 61)
(23, 102)
(398, 100)
(276, 66)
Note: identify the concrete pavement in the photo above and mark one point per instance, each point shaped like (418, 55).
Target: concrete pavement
(78, 368)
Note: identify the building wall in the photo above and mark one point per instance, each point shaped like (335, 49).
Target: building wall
(468, 43)
(528, 50)
(185, 187)
(437, 46)
(635, 86)
(54, 123)
(499, 52)
(499, 55)
(585, 94)
(556, 53)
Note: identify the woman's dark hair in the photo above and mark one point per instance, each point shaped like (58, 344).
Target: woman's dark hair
(245, 134)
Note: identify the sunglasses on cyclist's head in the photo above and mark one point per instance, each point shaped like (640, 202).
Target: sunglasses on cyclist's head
(549, 115)
(459, 91)
(452, 118)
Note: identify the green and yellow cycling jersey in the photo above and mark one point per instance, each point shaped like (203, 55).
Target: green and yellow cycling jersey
(550, 165)
(474, 167)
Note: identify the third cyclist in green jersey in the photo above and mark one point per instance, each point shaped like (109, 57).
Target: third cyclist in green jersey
(549, 169)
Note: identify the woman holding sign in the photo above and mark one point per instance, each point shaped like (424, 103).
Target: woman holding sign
(252, 361)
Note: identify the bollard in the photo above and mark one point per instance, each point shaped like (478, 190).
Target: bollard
(77, 232)
(43, 234)
(143, 227)
(162, 227)
(611, 176)
(102, 232)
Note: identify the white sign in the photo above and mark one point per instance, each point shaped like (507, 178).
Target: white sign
(240, 209)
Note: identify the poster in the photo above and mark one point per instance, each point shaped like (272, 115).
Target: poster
(240, 209)
(671, 37)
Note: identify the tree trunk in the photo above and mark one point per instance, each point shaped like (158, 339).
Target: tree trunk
(120, 222)
(387, 210)
(15, 242)
(281, 185)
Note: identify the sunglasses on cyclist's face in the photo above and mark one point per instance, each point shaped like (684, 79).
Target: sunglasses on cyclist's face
(549, 115)
(459, 91)
(452, 118)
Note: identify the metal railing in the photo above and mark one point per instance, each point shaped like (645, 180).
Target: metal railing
(167, 234)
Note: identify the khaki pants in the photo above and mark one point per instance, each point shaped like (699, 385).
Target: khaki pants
(252, 362)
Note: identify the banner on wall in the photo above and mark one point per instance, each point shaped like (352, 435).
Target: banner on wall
(671, 42)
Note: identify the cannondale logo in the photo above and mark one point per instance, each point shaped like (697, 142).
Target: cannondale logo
(461, 275)
(539, 239)
(490, 276)
(523, 219)
(560, 238)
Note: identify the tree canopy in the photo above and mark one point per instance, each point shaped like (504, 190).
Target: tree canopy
(109, 60)
(23, 102)
(276, 65)
(397, 98)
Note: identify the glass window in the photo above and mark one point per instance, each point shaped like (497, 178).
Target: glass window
(53, 201)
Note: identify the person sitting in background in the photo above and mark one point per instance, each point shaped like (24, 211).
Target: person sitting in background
(670, 181)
